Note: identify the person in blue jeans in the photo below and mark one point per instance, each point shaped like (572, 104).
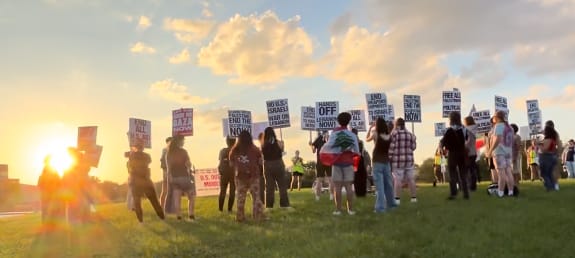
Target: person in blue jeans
(548, 156)
(382, 178)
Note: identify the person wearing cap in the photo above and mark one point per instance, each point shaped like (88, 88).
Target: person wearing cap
(568, 159)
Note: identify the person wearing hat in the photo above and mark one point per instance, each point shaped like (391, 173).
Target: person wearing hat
(568, 159)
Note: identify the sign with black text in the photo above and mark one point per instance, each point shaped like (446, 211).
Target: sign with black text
(482, 120)
(440, 129)
(238, 121)
(87, 137)
(390, 114)
(358, 120)
(278, 113)
(183, 122)
(501, 105)
(376, 106)
(532, 105)
(451, 102)
(326, 115)
(140, 132)
(308, 118)
(412, 108)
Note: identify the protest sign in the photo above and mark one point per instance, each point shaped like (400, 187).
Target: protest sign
(451, 102)
(257, 128)
(482, 120)
(140, 131)
(358, 120)
(501, 105)
(376, 106)
(440, 129)
(535, 122)
(93, 155)
(87, 137)
(278, 113)
(326, 115)
(308, 118)
(238, 121)
(225, 127)
(207, 182)
(532, 105)
(412, 108)
(390, 115)
(183, 122)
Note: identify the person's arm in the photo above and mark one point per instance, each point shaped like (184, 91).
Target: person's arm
(370, 137)
(392, 144)
(413, 142)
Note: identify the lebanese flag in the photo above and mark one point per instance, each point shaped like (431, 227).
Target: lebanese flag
(341, 147)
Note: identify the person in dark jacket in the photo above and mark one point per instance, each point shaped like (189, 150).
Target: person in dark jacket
(226, 176)
(454, 142)
(141, 183)
(274, 169)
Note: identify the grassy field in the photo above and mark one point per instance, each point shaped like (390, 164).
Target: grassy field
(536, 224)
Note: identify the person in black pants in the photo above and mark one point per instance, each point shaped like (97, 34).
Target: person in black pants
(274, 169)
(360, 175)
(226, 176)
(140, 182)
(454, 142)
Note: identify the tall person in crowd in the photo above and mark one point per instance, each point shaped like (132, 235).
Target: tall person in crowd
(438, 175)
(382, 177)
(339, 151)
(297, 171)
(262, 176)
(532, 153)
(362, 164)
(403, 144)
(501, 148)
(246, 159)
(568, 158)
(454, 141)
(488, 155)
(180, 177)
(164, 166)
(227, 176)
(322, 171)
(556, 172)
(516, 157)
(49, 184)
(470, 141)
(548, 156)
(141, 183)
(274, 169)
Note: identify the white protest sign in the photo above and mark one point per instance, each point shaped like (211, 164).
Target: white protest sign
(140, 131)
(412, 108)
(358, 120)
(440, 129)
(376, 106)
(390, 115)
(501, 105)
(451, 102)
(87, 137)
(257, 128)
(535, 122)
(207, 182)
(482, 119)
(183, 122)
(93, 155)
(238, 121)
(326, 115)
(308, 118)
(532, 105)
(278, 113)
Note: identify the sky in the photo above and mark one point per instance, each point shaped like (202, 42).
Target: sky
(72, 63)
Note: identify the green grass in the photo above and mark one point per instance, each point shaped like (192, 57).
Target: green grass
(537, 224)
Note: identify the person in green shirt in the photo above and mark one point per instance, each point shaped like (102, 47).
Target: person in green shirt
(297, 171)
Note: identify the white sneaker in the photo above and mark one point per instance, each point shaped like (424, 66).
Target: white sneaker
(510, 193)
(331, 197)
(413, 200)
(500, 193)
(350, 212)
(336, 213)
(397, 202)
(556, 187)
(317, 197)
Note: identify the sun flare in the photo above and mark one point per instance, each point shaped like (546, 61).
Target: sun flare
(57, 149)
(61, 161)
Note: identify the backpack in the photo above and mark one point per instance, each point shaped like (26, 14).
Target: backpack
(224, 165)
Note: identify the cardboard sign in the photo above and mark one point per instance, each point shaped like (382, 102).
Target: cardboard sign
(358, 120)
(278, 113)
(258, 128)
(412, 108)
(376, 106)
(535, 122)
(183, 122)
(326, 115)
(207, 182)
(93, 155)
(390, 115)
(532, 105)
(140, 131)
(308, 118)
(440, 129)
(482, 120)
(501, 105)
(238, 121)
(451, 102)
(87, 137)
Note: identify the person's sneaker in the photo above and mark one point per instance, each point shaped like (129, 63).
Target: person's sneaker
(336, 213)
(556, 187)
(500, 194)
(350, 212)
(331, 197)
(413, 199)
(317, 197)
(288, 208)
(397, 202)
(510, 193)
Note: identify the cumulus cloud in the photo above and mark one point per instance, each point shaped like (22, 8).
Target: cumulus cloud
(206, 10)
(548, 97)
(144, 23)
(189, 30)
(259, 49)
(182, 57)
(140, 47)
(173, 91)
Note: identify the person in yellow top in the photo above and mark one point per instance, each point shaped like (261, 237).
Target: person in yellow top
(533, 160)
(437, 168)
(297, 171)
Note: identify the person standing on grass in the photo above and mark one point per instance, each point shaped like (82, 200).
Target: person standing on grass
(164, 166)
(568, 159)
(501, 148)
(141, 183)
(382, 177)
(297, 171)
(227, 176)
(454, 141)
(533, 160)
(437, 167)
(262, 176)
(403, 144)
(339, 151)
(246, 159)
(180, 176)
(470, 141)
(489, 156)
(49, 185)
(322, 171)
(362, 164)
(548, 157)
(274, 169)
(516, 161)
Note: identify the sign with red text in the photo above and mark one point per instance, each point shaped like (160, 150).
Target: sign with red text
(183, 122)
(207, 182)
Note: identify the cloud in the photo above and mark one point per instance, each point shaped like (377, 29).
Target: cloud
(259, 49)
(548, 96)
(206, 11)
(550, 57)
(142, 48)
(144, 23)
(189, 30)
(341, 24)
(182, 57)
(173, 91)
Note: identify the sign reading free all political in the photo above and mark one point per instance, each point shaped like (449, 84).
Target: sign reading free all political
(278, 113)
(140, 131)
(451, 102)
(482, 120)
(183, 122)
(308, 118)
(440, 129)
(412, 108)
(326, 115)
(358, 120)
(376, 106)
(238, 121)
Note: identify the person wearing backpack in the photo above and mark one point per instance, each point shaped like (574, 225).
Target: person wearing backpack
(454, 142)
(470, 140)
(226, 176)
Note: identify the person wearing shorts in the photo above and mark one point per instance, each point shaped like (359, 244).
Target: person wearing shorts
(297, 171)
(181, 179)
(501, 150)
(323, 172)
(403, 144)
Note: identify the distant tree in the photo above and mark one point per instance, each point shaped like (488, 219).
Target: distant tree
(425, 172)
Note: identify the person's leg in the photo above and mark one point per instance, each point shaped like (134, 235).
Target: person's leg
(436, 171)
(453, 177)
(224, 181)
(150, 193)
(257, 206)
(262, 185)
(242, 189)
(292, 178)
(463, 178)
(164, 191)
(177, 201)
(472, 175)
(510, 180)
(388, 186)
(191, 204)
(299, 182)
(337, 178)
(570, 169)
(270, 185)
(410, 175)
(137, 195)
(280, 176)
(318, 185)
(398, 176)
(348, 180)
(328, 173)
(233, 192)
(379, 187)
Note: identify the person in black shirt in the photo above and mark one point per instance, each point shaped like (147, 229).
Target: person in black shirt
(140, 182)
(226, 176)
(454, 142)
(322, 171)
(274, 169)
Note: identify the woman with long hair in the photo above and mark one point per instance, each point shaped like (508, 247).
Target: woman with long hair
(180, 177)
(140, 182)
(246, 159)
(274, 169)
(501, 148)
(382, 177)
(548, 156)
